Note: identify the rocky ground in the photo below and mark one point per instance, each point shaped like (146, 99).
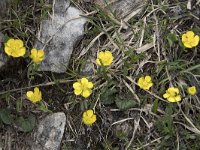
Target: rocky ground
(145, 38)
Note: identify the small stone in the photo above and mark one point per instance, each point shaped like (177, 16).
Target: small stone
(50, 132)
(123, 129)
(3, 57)
(59, 34)
(88, 69)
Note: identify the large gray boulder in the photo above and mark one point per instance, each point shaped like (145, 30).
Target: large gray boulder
(50, 132)
(58, 35)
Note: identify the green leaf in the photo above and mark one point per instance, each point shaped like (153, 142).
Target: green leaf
(108, 96)
(124, 104)
(155, 106)
(26, 125)
(19, 105)
(171, 38)
(5, 116)
(165, 125)
(83, 105)
(42, 107)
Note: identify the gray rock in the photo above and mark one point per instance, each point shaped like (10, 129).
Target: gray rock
(122, 8)
(88, 69)
(50, 132)
(58, 36)
(3, 57)
(3, 7)
(124, 128)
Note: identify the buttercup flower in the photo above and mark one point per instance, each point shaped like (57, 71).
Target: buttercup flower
(192, 90)
(172, 94)
(104, 58)
(145, 82)
(83, 87)
(34, 96)
(89, 117)
(190, 40)
(15, 48)
(37, 55)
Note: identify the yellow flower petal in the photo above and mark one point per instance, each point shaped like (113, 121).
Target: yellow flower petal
(90, 85)
(192, 90)
(190, 34)
(36, 90)
(33, 52)
(86, 93)
(34, 96)
(77, 85)
(84, 81)
(104, 58)
(187, 45)
(145, 82)
(77, 91)
(195, 41)
(29, 94)
(83, 87)
(40, 53)
(15, 48)
(190, 40)
(184, 38)
(8, 51)
(171, 90)
(108, 54)
(166, 95)
(176, 90)
(98, 62)
(89, 113)
(10, 42)
(21, 52)
(37, 55)
(178, 98)
(19, 43)
(140, 82)
(89, 117)
(149, 85)
(147, 78)
(101, 55)
(171, 99)
(172, 94)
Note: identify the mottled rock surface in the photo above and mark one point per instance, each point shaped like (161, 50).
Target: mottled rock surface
(3, 7)
(122, 8)
(88, 69)
(59, 34)
(50, 132)
(3, 57)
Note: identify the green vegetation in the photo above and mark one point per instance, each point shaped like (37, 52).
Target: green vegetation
(128, 115)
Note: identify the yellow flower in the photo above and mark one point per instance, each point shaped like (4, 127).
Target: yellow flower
(190, 40)
(89, 117)
(145, 82)
(192, 90)
(15, 48)
(104, 58)
(37, 55)
(35, 96)
(83, 87)
(172, 94)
